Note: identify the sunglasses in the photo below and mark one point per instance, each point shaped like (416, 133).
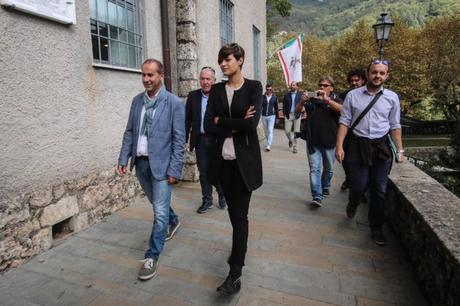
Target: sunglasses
(208, 68)
(385, 62)
(324, 85)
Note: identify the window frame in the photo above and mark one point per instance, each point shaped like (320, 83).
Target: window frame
(226, 21)
(125, 50)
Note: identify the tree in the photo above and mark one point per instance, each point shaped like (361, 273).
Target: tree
(282, 7)
(444, 59)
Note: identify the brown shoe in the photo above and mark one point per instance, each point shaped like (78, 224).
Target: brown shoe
(290, 144)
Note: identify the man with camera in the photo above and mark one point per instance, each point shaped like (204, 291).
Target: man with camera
(323, 111)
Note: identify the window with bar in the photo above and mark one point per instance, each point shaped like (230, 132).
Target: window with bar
(116, 33)
(226, 22)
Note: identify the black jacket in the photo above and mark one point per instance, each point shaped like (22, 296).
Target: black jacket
(270, 108)
(193, 117)
(287, 102)
(244, 133)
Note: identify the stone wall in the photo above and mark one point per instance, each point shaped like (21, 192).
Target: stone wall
(27, 219)
(425, 216)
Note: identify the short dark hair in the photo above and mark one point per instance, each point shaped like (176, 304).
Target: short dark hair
(268, 85)
(159, 64)
(229, 49)
(356, 72)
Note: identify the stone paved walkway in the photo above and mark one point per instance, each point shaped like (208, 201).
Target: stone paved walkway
(296, 256)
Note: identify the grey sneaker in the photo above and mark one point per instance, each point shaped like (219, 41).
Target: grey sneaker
(172, 229)
(148, 269)
(316, 203)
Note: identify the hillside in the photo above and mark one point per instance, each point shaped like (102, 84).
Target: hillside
(328, 17)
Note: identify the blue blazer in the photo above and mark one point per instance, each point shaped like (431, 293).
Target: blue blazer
(287, 102)
(166, 140)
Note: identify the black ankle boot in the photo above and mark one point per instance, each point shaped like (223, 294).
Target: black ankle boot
(230, 286)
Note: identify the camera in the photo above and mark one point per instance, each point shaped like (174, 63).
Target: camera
(311, 94)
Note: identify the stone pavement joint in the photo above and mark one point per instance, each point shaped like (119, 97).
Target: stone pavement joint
(296, 256)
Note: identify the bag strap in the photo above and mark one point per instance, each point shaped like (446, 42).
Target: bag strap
(366, 110)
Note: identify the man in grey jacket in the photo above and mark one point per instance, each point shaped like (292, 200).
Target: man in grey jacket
(154, 139)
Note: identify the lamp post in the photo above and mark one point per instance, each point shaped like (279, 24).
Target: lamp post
(382, 29)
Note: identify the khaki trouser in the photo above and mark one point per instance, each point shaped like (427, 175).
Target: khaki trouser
(292, 126)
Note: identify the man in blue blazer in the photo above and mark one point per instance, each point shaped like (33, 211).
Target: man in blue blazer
(291, 117)
(201, 141)
(154, 139)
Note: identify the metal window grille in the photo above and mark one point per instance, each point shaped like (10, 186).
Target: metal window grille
(116, 34)
(256, 50)
(226, 22)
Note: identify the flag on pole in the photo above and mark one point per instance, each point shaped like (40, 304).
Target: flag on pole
(290, 56)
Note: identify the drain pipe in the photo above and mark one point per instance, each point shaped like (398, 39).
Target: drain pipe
(165, 40)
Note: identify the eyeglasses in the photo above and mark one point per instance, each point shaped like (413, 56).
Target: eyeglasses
(208, 68)
(269, 89)
(385, 62)
(324, 85)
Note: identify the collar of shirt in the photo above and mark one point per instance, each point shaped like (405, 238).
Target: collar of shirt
(152, 98)
(366, 91)
(204, 95)
(268, 97)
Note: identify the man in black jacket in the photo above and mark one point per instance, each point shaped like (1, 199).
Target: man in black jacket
(269, 114)
(195, 108)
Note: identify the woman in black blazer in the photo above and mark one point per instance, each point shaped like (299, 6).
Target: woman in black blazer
(235, 160)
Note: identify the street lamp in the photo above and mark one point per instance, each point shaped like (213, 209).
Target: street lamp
(382, 30)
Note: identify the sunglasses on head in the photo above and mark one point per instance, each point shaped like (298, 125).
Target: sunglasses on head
(385, 62)
(208, 68)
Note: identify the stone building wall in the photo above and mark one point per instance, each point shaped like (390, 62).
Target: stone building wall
(425, 217)
(31, 222)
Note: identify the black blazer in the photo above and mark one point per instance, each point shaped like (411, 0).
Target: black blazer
(287, 102)
(193, 117)
(244, 133)
(270, 108)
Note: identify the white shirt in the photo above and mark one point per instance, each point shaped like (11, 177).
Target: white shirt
(142, 142)
(228, 149)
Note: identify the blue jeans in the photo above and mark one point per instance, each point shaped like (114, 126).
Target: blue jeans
(375, 176)
(202, 155)
(159, 195)
(269, 124)
(321, 170)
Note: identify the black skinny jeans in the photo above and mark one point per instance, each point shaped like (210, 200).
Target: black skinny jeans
(238, 197)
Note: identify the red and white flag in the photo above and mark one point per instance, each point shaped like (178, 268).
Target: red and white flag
(290, 55)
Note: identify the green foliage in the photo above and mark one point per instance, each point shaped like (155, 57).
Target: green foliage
(280, 7)
(327, 18)
(424, 69)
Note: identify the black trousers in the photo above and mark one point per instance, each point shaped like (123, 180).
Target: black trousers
(238, 197)
(376, 176)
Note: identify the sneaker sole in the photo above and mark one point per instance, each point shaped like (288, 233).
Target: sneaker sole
(147, 277)
(173, 232)
(315, 204)
(203, 211)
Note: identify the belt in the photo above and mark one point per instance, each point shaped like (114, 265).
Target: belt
(205, 135)
(143, 157)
